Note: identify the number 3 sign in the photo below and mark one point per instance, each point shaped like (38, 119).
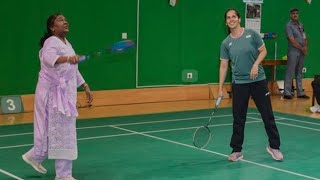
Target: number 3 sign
(11, 104)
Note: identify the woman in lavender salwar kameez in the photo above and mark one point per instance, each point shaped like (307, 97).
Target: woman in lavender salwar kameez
(55, 102)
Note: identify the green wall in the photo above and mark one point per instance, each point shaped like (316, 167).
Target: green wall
(171, 39)
(94, 25)
(189, 35)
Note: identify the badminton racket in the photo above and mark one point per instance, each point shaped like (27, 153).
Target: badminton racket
(202, 135)
(118, 47)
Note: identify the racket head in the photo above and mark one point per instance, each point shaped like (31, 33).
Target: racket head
(121, 46)
(97, 54)
(201, 137)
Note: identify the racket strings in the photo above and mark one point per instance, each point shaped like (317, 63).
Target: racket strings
(122, 46)
(201, 137)
(116, 48)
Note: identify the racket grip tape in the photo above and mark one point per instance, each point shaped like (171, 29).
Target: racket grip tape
(218, 101)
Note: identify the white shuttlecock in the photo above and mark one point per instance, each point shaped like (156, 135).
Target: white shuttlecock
(173, 2)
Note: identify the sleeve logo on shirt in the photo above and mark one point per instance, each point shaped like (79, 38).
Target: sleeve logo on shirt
(248, 36)
(230, 44)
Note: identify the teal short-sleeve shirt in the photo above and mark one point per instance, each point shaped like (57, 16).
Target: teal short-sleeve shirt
(243, 52)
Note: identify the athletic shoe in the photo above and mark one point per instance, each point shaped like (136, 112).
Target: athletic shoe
(235, 156)
(275, 153)
(37, 166)
(315, 108)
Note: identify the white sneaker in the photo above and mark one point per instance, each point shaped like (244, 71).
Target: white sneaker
(275, 153)
(64, 178)
(235, 156)
(315, 108)
(37, 166)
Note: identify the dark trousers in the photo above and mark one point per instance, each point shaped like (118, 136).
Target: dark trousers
(316, 89)
(261, 97)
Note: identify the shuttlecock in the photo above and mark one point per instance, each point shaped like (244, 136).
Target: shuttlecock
(173, 2)
(309, 1)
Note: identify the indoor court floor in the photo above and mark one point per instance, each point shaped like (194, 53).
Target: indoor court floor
(159, 146)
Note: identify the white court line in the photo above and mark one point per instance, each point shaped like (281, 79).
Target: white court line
(18, 134)
(303, 127)
(166, 130)
(107, 136)
(10, 175)
(293, 125)
(217, 153)
(15, 146)
(153, 122)
(133, 132)
(161, 121)
(290, 119)
(126, 124)
(127, 134)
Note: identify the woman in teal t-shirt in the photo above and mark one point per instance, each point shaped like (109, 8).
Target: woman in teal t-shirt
(245, 50)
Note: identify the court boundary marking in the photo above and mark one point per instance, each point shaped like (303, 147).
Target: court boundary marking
(217, 153)
(163, 121)
(10, 175)
(147, 133)
(126, 134)
(277, 118)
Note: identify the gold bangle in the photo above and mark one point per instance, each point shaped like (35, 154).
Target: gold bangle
(84, 86)
(68, 58)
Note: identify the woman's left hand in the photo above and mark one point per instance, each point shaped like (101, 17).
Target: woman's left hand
(88, 94)
(254, 71)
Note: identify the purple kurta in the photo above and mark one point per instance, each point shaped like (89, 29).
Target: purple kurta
(55, 103)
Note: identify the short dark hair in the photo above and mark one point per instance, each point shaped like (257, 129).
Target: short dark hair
(50, 23)
(294, 10)
(225, 16)
(231, 9)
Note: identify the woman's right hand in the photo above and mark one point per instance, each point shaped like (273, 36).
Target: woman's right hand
(73, 59)
(220, 94)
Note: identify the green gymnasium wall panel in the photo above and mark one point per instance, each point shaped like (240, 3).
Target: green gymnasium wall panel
(170, 40)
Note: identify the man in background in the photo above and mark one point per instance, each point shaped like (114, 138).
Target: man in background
(297, 50)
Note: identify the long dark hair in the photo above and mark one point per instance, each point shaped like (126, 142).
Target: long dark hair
(50, 23)
(225, 16)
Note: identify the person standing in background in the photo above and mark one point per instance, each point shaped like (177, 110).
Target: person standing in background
(316, 91)
(55, 112)
(297, 50)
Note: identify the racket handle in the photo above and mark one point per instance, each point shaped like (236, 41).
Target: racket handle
(83, 58)
(218, 101)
